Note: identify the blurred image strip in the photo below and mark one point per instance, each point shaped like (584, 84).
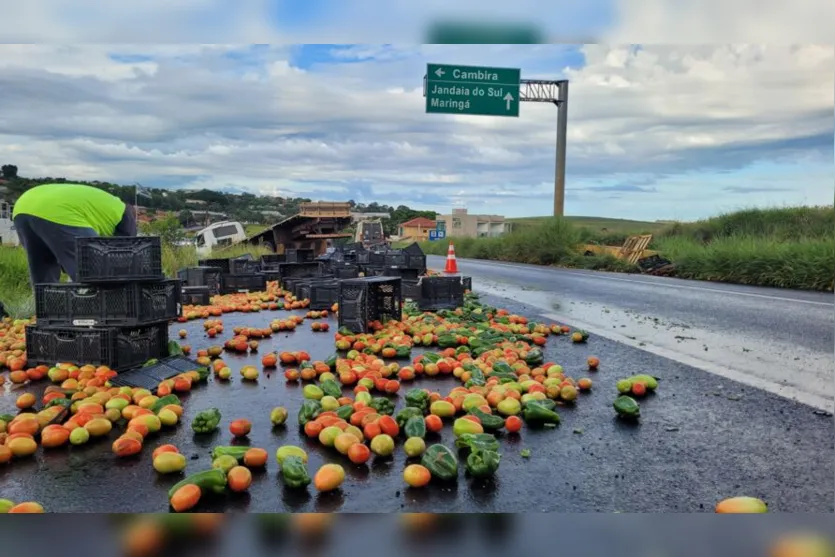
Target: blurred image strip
(482, 535)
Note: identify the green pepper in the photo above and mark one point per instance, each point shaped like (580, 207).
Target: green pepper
(627, 407)
(415, 427)
(6, 417)
(309, 410)
(382, 405)
(345, 331)
(490, 422)
(463, 349)
(473, 441)
(433, 357)
(418, 398)
(345, 412)
(203, 372)
(503, 368)
(294, 472)
(441, 462)
(331, 388)
(174, 348)
(214, 480)
(482, 464)
(236, 451)
(331, 361)
(534, 357)
(447, 341)
(165, 401)
(56, 402)
(537, 414)
(407, 413)
(403, 351)
(206, 421)
(476, 377)
(545, 403)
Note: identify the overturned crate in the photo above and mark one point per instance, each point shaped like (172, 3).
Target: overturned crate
(323, 294)
(151, 375)
(300, 270)
(363, 301)
(441, 292)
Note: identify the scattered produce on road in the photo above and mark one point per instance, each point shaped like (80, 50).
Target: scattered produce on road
(352, 404)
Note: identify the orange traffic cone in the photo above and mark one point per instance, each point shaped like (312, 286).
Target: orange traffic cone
(451, 265)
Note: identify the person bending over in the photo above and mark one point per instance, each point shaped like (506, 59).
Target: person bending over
(48, 218)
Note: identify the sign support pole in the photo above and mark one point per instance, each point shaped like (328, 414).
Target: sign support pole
(559, 171)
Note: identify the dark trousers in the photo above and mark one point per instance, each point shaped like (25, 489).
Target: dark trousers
(50, 247)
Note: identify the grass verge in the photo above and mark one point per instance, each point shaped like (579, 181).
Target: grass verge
(788, 247)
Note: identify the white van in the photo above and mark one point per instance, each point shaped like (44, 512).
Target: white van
(219, 234)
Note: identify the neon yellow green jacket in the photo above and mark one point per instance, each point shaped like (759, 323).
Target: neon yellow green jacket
(73, 205)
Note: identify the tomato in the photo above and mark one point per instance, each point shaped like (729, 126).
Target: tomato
(359, 453)
(513, 424)
(416, 475)
(434, 423)
(240, 428)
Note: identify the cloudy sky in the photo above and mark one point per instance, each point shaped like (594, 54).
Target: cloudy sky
(655, 132)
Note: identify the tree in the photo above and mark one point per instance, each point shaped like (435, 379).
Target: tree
(9, 171)
(186, 218)
(168, 229)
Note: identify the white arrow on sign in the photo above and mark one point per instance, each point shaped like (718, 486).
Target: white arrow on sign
(507, 99)
(439, 72)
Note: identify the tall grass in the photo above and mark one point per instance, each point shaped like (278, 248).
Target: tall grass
(792, 247)
(16, 292)
(551, 241)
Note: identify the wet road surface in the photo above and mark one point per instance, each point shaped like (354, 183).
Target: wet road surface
(702, 438)
(774, 339)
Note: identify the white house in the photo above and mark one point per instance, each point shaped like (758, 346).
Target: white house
(8, 236)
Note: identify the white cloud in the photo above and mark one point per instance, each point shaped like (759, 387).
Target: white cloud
(193, 116)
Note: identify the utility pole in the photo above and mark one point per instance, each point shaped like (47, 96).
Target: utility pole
(559, 170)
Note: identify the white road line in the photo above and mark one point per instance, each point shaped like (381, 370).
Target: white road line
(665, 285)
(809, 399)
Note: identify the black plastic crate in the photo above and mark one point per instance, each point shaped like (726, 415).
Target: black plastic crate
(271, 275)
(346, 271)
(223, 264)
(149, 377)
(299, 255)
(201, 276)
(255, 282)
(300, 270)
(368, 299)
(243, 266)
(467, 283)
(416, 262)
(106, 259)
(441, 293)
(411, 290)
(363, 257)
(273, 258)
(377, 258)
(413, 249)
(196, 296)
(69, 304)
(403, 272)
(117, 348)
(395, 258)
(324, 294)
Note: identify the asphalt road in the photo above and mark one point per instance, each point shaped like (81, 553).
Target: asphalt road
(701, 438)
(776, 339)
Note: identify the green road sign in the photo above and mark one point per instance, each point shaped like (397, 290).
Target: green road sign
(472, 90)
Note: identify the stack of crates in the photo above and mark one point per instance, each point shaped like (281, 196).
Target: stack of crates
(365, 300)
(117, 315)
